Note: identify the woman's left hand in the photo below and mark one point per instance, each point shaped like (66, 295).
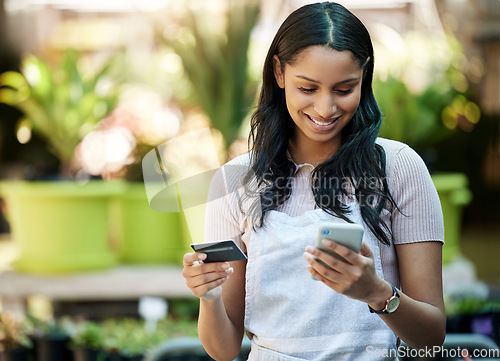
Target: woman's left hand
(355, 278)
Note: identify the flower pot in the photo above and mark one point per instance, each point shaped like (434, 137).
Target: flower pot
(120, 357)
(146, 235)
(454, 195)
(61, 226)
(53, 348)
(87, 354)
(17, 354)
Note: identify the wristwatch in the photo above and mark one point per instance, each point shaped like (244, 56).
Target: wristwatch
(391, 304)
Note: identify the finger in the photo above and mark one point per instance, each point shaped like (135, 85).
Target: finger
(323, 269)
(345, 252)
(366, 250)
(196, 269)
(189, 259)
(320, 277)
(331, 261)
(207, 278)
(203, 289)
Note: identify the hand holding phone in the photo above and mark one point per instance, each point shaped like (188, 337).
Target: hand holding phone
(346, 234)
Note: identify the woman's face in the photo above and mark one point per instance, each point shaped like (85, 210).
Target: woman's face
(322, 91)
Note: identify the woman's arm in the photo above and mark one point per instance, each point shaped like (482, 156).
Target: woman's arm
(420, 318)
(221, 289)
(220, 323)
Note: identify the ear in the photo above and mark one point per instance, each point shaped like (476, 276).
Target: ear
(278, 74)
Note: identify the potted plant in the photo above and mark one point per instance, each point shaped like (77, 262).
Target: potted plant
(144, 235)
(129, 339)
(51, 338)
(87, 342)
(50, 220)
(474, 314)
(15, 344)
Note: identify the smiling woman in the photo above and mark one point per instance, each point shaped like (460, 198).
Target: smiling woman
(315, 157)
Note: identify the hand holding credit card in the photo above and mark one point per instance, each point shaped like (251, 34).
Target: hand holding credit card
(220, 251)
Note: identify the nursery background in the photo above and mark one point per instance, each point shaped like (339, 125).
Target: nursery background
(91, 92)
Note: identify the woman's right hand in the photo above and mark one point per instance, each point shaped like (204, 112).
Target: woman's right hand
(204, 279)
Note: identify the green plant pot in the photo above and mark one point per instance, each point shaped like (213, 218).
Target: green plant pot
(61, 226)
(147, 236)
(454, 195)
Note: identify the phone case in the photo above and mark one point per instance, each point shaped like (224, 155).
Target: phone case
(220, 251)
(347, 234)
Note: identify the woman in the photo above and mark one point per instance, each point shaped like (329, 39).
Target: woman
(316, 157)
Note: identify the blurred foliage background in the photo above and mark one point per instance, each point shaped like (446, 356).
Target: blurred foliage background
(88, 88)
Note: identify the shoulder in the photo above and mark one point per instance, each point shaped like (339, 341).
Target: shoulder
(400, 156)
(393, 148)
(241, 160)
(230, 176)
(237, 168)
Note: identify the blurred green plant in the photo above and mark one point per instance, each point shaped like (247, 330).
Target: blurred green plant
(184, 308)
(88, 334)
(424, 119)
(60, 104)
(414, 119)
(425, 96)
(130, 337)
(39, 327)
(216, 62)
(471, 304)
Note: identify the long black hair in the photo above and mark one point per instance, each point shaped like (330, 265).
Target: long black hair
(359, 162)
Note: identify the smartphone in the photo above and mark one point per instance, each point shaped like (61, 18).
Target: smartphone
(346, 234)
(220, 251)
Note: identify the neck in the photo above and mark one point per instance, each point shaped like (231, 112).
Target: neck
(310, 152)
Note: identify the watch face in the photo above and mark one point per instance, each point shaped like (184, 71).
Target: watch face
(393, 305)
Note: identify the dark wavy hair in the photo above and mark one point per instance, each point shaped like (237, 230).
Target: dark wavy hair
(359, 162)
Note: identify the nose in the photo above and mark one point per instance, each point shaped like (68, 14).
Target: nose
(325, 106)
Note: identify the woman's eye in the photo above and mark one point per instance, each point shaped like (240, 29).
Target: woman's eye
(306, 90)
(344, 92)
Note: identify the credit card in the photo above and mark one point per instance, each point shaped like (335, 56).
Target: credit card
(220, 251)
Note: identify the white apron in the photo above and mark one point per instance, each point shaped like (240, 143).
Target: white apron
(290, 316)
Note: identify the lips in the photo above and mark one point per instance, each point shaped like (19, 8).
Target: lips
(322, 122)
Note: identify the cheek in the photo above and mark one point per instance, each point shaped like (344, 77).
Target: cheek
(296, 99)
(351, 103)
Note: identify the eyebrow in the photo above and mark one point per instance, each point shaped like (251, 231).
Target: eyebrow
(350, 80)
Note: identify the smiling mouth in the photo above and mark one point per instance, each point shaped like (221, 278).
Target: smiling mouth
(328, 122)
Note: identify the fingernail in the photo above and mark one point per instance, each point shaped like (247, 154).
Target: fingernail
(309, 249)
(230, 270)
(308, 255)
(327, 242)
(202, 256)
(225, 265)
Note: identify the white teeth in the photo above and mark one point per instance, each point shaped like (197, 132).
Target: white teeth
(320, 123)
